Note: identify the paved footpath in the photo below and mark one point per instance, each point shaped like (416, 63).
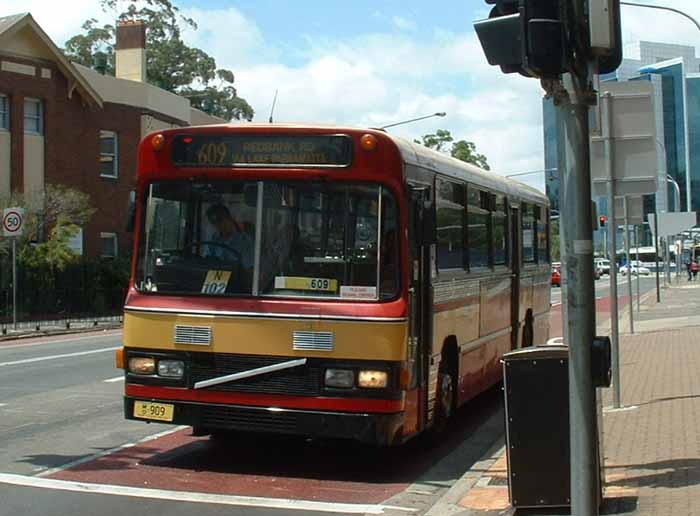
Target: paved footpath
(652, 445)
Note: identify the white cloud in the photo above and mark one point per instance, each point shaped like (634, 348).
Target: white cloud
(368, 82)
(403, 23)
(226, 35)
(58, 21)
(639, 23)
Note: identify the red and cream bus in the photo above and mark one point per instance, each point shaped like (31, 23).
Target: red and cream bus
(362, 287)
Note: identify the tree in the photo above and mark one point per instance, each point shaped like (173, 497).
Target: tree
(170, 63)
(60, 211)
(462, 149)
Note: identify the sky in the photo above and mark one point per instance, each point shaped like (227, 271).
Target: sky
(372, 63)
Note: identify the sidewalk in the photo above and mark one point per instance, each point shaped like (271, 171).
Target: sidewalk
(652, 445)
(34, 329)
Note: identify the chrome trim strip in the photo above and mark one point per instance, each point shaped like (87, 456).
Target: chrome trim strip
(468, 346)
(266, 315)
(251, 372)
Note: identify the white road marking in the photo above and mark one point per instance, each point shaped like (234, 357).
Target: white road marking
(44, 342)
(56, 357)
(3, 404)
(182, 496)
(115, 379)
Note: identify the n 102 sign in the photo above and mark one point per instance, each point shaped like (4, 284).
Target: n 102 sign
(12, 222)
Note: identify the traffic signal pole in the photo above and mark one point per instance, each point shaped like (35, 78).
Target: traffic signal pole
(565, 43)
(576, 218)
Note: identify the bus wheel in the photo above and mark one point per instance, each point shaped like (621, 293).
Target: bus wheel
(446, 399)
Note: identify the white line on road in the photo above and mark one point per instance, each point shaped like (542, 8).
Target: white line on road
(181, 496)
(115, 379)
(44, 342)
(55, 357)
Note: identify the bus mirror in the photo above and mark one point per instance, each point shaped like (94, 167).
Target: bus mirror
(131, 212)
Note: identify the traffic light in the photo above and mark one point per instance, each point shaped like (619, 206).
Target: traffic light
(525, 36)
(602, 220)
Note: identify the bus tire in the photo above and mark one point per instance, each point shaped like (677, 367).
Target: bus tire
(446, 396)
(528, 330)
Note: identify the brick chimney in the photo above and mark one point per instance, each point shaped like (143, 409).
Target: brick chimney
(130, 52)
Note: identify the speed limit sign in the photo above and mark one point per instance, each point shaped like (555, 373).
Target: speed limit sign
(12, 221)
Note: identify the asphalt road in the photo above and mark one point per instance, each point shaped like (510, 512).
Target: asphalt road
(602, 287)
(61, 408)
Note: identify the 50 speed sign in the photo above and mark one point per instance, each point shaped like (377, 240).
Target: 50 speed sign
(12, 221)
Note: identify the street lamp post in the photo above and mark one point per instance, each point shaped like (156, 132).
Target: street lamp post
(663, 8)
(439, 114)
(677, 189)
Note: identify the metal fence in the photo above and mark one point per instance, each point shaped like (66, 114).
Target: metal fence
(87, 291)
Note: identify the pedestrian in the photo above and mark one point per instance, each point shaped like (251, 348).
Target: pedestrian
(694, 268)
(688, 267)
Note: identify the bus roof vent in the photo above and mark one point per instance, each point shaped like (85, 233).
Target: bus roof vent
(197, 335)
(313, 340)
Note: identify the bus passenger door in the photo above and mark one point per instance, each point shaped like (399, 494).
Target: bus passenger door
(515, 265)
(419, 348)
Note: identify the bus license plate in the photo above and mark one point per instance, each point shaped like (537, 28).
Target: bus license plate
(157, 411)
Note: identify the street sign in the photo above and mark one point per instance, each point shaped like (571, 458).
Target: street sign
(632, 131)
(12, 222)
(635, 210)
(673, 223)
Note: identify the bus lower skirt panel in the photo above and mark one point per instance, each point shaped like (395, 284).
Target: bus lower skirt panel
(382, 429)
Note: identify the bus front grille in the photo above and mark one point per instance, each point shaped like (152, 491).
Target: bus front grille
(303, 380)
(248, 419)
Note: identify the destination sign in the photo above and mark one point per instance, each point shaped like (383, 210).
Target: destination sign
(212, 150)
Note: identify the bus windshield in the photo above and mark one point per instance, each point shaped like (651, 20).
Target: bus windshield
(268, 238)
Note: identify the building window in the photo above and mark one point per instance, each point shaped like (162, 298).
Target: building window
(108, 245)
(33, 116)
(108, 154)
(4, 112)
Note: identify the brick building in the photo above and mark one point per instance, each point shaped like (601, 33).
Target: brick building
(62, 123)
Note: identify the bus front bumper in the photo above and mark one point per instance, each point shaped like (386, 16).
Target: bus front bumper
(381, 429)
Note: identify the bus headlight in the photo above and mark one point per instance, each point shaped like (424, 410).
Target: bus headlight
(142, 365)
(339, 378)
(171, 368)
(373, 379)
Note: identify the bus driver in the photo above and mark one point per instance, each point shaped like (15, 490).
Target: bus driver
(229, 243)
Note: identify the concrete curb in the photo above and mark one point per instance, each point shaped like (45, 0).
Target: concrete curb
(448, 504)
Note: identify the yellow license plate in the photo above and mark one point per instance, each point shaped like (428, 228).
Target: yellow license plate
(157, 411)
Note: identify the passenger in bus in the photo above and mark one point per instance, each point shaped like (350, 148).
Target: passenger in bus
(229, 242)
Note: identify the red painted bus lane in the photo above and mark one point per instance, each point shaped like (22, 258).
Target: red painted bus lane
(268, 467)
(602, 314)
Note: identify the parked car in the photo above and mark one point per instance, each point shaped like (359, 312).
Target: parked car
(556, 276)
(637, 268)
(602, 265)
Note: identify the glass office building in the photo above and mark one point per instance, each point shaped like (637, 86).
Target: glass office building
(673, 70)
